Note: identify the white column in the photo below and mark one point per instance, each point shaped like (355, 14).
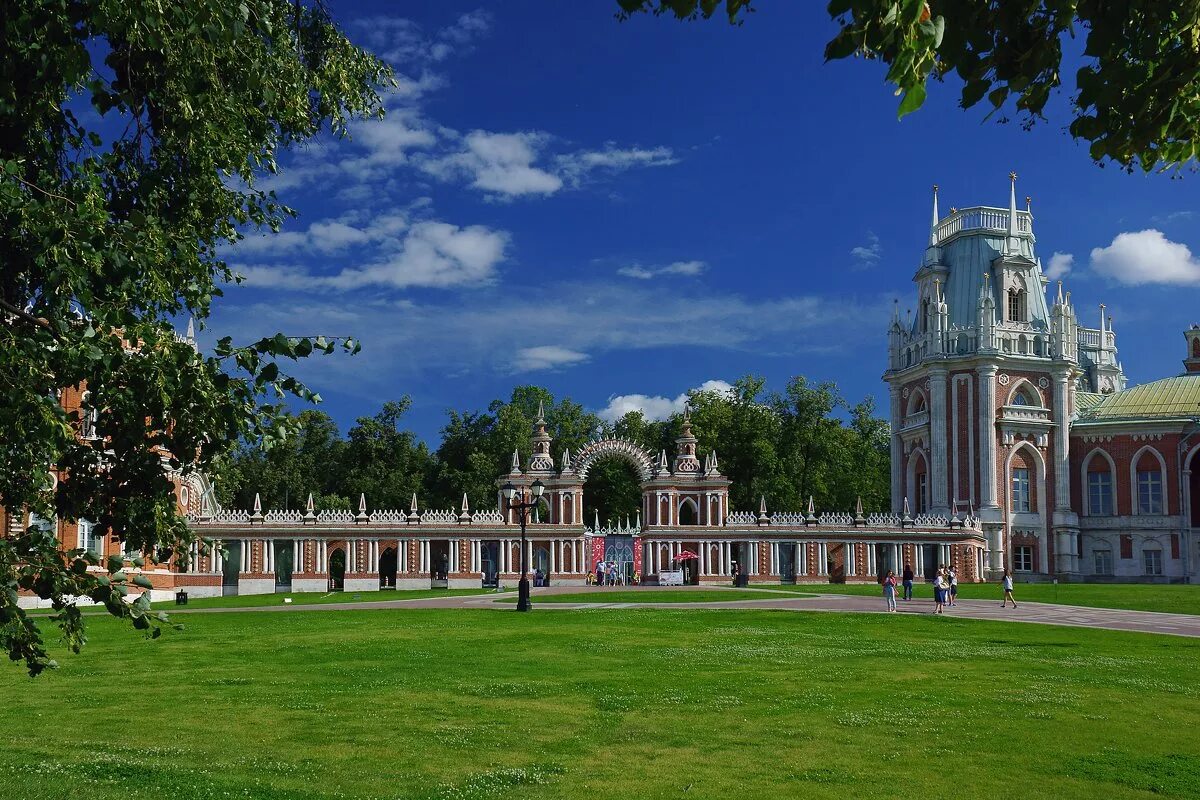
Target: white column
(987, 436)
(938, 445)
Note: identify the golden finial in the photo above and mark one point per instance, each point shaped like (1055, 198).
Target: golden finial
(935, 188)
(1028, 200)
(953, 209)
(1012, 176)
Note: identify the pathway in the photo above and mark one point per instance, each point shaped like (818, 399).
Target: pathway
(1039, 613)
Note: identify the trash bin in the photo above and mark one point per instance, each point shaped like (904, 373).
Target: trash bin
(181, 598)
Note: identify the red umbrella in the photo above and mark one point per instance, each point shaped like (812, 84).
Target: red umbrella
(685, 555)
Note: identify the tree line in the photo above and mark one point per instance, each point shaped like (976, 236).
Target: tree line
(785, 446)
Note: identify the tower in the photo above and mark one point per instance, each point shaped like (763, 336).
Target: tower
(982, 386)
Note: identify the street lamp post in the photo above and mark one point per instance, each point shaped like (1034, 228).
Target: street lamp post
(522, 508)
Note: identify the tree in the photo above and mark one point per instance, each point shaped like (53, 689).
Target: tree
(131, 135)
(310, 460)
(383, 462)
(1137, 89)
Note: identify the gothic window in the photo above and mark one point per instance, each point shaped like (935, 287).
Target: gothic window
(922, 492)
(1149, 488)
(1020, 489)
(1020, 399)
(1100, 494)
(1196, 348)
(925, 315)
(1016, 305)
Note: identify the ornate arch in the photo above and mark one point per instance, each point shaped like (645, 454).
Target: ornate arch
(623, 449)
(1025, 385)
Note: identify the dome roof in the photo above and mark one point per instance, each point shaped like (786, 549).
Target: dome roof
(1169, 398)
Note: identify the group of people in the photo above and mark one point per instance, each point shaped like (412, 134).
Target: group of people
(610, 573)
(945, 588)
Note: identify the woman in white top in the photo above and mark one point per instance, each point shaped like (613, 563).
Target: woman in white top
(1007, 583)
(938, 592)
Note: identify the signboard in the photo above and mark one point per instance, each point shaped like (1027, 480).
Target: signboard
(672, 578)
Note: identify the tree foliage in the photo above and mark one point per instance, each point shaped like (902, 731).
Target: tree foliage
(1136, 99)
(131, 134)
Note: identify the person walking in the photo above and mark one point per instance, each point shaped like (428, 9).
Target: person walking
(953, 586)
(889, 590)
(599, 573)
(939, 589)
(908, 581)
(1007, 583)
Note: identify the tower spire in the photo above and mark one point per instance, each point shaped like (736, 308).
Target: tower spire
(1013, 244)
(933, 237)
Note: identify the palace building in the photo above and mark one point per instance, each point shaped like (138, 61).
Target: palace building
(1015, 445)
(1003, 402)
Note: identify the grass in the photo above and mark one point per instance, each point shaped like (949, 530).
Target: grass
(1173, 598)
(315, 598)
(649, 595)
(490, 705)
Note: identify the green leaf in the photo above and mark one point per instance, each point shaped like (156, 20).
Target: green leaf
(142, 581)
(913, 99)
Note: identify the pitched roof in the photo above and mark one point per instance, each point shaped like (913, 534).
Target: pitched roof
(1169, 398)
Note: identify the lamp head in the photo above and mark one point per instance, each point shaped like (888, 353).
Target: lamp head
(537, 488)
(509, 491)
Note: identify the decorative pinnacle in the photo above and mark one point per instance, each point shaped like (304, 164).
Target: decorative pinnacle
(465, 507)
(362, 502)
(308, 507)
(1012, 176)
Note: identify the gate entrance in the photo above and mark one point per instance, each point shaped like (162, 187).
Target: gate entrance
(787, 562)
(439, 564)
(231, 565)
(284, 555)
(489, 564)
(388, 562)
(337, 570)
(618, 550)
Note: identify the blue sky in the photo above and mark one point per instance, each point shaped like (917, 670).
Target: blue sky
(624, 211)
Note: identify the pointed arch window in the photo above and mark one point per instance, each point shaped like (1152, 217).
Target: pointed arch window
(1020, 399)
(1016, 305)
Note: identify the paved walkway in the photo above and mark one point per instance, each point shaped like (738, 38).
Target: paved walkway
(1039, 613)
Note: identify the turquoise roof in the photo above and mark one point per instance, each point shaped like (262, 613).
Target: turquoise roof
(968, 256)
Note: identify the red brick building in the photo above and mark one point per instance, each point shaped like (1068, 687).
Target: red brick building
(1003, 403)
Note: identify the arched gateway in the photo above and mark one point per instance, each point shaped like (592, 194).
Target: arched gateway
(623, 449)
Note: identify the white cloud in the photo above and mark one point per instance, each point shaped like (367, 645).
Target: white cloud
(429, 253)
(656, 407)
(1173, 217)
(402, 41)
(690, 268)
(498, 163)
(575, 167)
(1146, 257)
(867, 255)
(530, 359)
(1060, 265)
(508, 165)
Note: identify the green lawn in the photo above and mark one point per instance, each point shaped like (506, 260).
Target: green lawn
(298, 598)
(489, 705)
(314, 598)
(1174, 598)
(650, 595)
